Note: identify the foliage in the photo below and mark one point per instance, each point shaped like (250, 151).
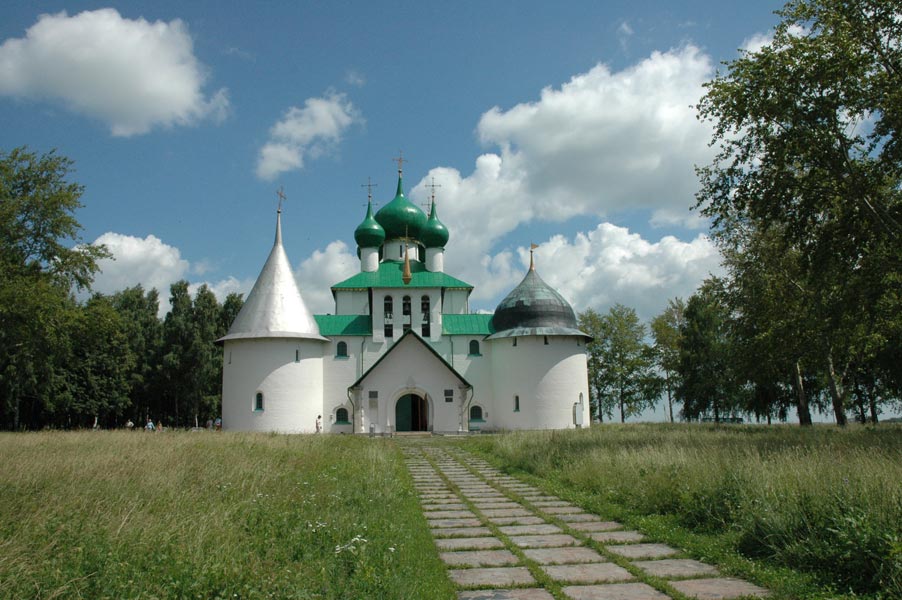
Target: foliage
(600, 404)
(621, 364)
(818, 500)
(193, 515)
(666, 328)
(707, 385)
(810, 165)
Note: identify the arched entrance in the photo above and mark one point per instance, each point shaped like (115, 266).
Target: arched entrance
(411, 413)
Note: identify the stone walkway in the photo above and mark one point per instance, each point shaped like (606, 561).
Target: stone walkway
(504, 539)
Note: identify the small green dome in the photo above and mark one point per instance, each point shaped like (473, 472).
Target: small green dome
(401, 217)
(434, 234)
(369, 234)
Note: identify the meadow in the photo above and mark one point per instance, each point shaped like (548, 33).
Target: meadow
(813, 512)
(210, 515)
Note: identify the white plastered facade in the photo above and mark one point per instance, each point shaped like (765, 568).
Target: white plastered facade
(360, 380)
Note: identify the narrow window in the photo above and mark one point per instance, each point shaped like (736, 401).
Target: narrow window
(474, 348)
(405, 305)
(449, 395)
(258, 401)
(424, 307)
(546, 340)
(516, 403)
(341, 350)
(476, 413)
(341, 417)
(515, 342)
(389, 330)
(374, 394)
(387, 306)
(297, 356)
(425, 330)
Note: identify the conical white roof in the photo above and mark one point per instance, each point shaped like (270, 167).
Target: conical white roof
(274, 308)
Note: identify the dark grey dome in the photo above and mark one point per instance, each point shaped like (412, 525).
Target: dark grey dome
(534, 308)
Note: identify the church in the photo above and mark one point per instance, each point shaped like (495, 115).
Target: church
(401, 352)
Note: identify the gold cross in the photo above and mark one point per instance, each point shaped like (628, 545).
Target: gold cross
(433, 185)
(369, 185)
(281, 194)
(400, 160)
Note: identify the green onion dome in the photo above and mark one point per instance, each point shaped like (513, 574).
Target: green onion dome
(401, 218)
(434, 234)
(369, 234)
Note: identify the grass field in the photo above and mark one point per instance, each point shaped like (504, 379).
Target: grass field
(203, 515)
(811, 514)
(808, 512)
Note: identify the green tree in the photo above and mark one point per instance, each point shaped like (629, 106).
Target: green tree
(144, 331)
(179, 361)
(600, 404)
(706, 381)
(627, 375)
(207, 316)
(666, 328)
(807, 131)
(41, 258)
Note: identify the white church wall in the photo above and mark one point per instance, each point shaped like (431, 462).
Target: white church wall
(339, 373)
(289, 374)
(548, 379)
(477, 370)
(456, 302)
(352, 302)
(410, 368)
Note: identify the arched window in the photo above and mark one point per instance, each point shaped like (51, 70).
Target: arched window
(516, 403)
(341, 416)
(341, 350)
(476, 413)
(425, 329)
(258, 401)
(387, 305)
(474, 348)
(405, 305)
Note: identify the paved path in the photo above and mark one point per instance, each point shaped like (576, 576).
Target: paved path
(504, 539)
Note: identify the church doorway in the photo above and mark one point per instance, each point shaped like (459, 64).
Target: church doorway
(411, 413)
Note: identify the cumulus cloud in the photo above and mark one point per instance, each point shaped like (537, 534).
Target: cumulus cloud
(321, 271)
(610, 264)
(306, 132)
(153, 264)
(604, 143)
(132, 75)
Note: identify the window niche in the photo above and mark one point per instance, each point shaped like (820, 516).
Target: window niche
(474, 348)
(341, 350)
(341, 417)
(476, 413)
(258, 402)
(516, 403)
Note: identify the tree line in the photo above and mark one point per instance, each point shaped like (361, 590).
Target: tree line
(804, 197)
(111, 359)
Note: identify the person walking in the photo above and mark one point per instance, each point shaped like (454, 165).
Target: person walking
(319, 423)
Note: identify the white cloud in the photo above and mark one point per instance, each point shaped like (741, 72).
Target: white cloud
(604, 143)
(757, 41)
(609, 265)
(306, 132)
(132, 75)
(355, 78)
(321, 271)
(624, 29)
(154, 264)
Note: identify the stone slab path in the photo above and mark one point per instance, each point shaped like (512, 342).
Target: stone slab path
(504, 539)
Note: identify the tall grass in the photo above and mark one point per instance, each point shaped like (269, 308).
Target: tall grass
(203, 515)
(821, 500)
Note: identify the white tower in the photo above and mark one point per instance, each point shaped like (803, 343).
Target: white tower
(272, 376)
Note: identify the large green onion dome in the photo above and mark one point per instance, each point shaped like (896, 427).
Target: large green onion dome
(534, 308)
(401, 218)
(369, 234)
(434, 234)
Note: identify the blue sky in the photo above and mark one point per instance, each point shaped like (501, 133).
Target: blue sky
(565, 124)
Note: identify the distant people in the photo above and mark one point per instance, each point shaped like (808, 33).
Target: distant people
(218, 424)
(319, 423)
(96, 425)
(209, 424)
(149, 426)
(160, 426)
(129, 424)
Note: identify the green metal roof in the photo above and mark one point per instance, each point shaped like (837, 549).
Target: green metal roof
(417, 337)
(369, 234)
(401, 217)
(335, 325)
(434, 233)
(389, 276)
(467, 324)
